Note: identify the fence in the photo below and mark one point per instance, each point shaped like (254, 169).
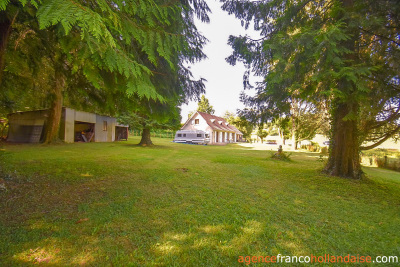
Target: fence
(160, 133)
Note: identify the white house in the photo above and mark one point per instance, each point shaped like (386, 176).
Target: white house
(218, 128)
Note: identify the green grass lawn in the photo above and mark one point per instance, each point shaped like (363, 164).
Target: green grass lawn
(118, 204)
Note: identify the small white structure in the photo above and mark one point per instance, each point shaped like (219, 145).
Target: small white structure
(219, 130)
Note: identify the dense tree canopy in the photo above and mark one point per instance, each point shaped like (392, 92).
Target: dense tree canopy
(344, 53)
(110, 54)
(106, 36)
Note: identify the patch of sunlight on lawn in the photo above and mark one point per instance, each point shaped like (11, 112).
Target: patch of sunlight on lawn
(39, 255)
(250, 232)
(86, 175)
(212, 229)
(203, 243)
(178, 237)
(167, 247)
(179, 205)
(84, 258)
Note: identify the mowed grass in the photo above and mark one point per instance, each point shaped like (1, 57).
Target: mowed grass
(118, 204)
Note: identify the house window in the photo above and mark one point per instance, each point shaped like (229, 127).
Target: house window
(198, 135)
(104, 125)
(179, 135)
(184, 135)
(196, 121)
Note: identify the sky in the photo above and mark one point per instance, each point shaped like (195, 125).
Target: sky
(224, 82)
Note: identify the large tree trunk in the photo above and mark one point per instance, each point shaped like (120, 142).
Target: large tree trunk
(344, 154)
(52, 128)
(146, 138)
(5, 30)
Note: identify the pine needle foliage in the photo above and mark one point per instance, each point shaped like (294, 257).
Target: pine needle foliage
(339, 51)
(118, 36)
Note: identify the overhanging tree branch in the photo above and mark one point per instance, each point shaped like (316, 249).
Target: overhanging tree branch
(387, 136)
(380, 36)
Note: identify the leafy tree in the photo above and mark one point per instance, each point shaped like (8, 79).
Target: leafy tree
(190, 114)
(229, 116)
(339, 51)
(143, 122)
(113, 47)
(284, 129)
(204, 106)
(174, 82)
(240, 123)
(262, 133)
(305, 120)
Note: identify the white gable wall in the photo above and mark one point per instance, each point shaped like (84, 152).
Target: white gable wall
(190, 125)
(202, 126)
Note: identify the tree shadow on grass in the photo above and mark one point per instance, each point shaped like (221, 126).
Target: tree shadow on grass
(177, 218)
(39, 215)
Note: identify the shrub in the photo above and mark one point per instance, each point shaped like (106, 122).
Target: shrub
(282, 156)
(324, 150)
(314, 147)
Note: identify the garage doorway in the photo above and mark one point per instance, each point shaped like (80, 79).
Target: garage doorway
(84, 131)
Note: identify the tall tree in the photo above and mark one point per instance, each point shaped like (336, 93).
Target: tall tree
(107, 43)
(262, 133)
(204, 106)
(174, 81)
(283, 126)
(339, 51)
